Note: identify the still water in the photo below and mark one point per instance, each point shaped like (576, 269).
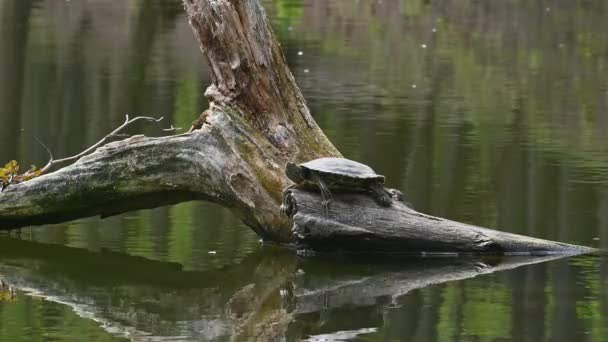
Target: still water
(493, 113)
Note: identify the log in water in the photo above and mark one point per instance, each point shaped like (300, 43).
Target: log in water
(355, 222)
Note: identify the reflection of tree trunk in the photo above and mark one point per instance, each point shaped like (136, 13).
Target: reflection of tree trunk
(512, 187)
(537, 179)
(71, 94)
(458, 310)
(159, 222)
(131, 86)
(529, 307)
(426, 329)
(14, 27)
(564, 202)
(420, 165)
(402, 323)
(602, 234)
(564, 321)
(452, 175)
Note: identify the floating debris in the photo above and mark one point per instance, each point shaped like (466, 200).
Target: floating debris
(212, 252)
(7, 292)
(300, 53)
(423, 46)
(414, 86)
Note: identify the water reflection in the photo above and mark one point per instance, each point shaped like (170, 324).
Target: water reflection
(196, 235)
(411, 298)
(492, 113)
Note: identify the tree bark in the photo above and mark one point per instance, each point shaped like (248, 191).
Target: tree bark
(235, 155)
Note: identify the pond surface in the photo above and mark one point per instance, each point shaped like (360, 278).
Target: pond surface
(493, 113)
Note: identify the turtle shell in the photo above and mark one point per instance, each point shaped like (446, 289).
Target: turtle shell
(342, 167)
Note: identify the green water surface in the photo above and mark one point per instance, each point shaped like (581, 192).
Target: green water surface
(493, 113)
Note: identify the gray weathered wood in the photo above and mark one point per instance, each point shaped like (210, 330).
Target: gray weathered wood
(143, 172)
(355, 222)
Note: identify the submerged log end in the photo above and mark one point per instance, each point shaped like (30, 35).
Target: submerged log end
(356, 223)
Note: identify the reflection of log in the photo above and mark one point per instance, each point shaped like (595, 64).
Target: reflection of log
(140, 296)
(136, 296)
(330, 291)
(357, 223)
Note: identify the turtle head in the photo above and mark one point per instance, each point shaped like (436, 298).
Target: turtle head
(294, 173)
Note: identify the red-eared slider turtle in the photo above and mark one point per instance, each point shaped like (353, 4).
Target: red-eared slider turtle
(337, 174)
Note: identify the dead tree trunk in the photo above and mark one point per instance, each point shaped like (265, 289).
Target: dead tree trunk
(234, 155)
(257, 121)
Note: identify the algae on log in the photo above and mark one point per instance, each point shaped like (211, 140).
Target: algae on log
(234, 155)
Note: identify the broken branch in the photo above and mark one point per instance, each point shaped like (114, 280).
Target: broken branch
(114, 133)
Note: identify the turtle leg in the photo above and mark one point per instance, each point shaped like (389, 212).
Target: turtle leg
(396, 194)
(285, 200)
(380, 194)
(399, 196)
(325, 195)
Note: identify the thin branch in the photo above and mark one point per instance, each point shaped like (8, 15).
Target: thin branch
(115, 132)
(48, 150)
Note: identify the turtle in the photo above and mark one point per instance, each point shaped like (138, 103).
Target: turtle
(328, 174)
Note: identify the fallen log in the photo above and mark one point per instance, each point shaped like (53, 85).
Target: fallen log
(356, 223)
